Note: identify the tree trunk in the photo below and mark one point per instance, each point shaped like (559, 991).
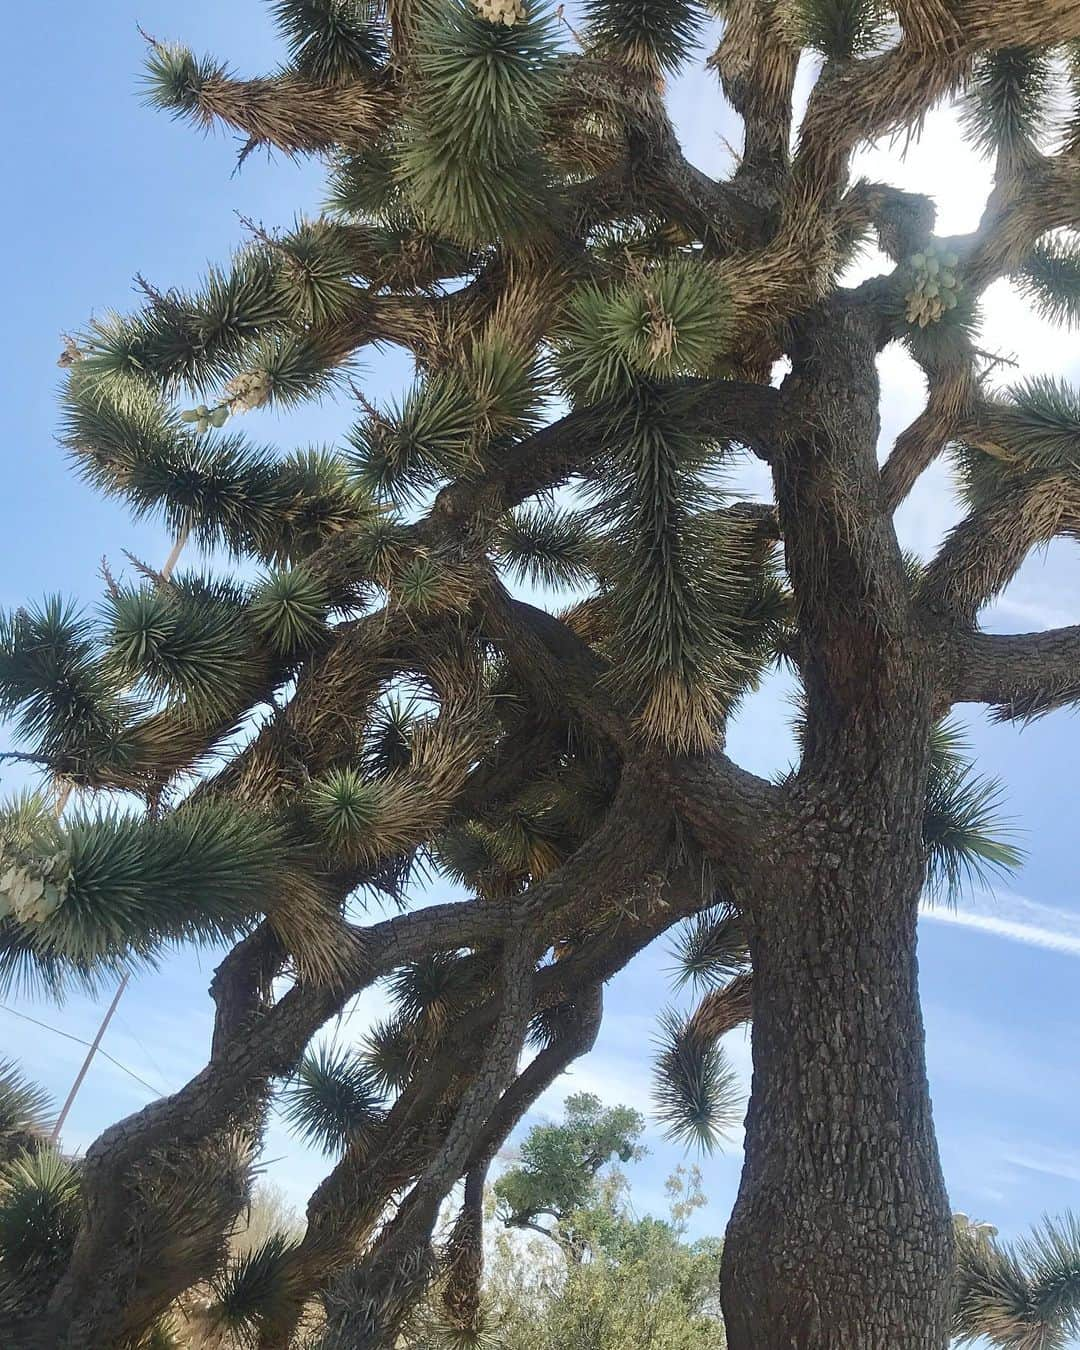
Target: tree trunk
(841, 1235)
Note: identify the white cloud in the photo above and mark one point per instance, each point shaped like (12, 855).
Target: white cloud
(1015, 919)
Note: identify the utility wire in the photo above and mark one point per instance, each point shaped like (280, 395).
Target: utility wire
(79, 1041)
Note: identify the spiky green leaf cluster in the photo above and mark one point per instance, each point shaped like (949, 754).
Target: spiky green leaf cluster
(838, 28)
(289, 608)
(1008, 104)
(128, 443)
(675, 574)
(468, 161)
(652, 36)
(132, 885)
(25, 1111)
(431, 992)
(672, 320)
(392, 1053)
(175, 79)
(53, 684)
(393, 724)
(1020, 1297)
(345, 808)
(40, 1212)
(711, 947)
(332, 1101)
(332, 41)
(1050, 279)
(253, 1291)
(695, 1090)
(548, 548)
(1030, 435)
(966, 837)
(256, 322)
(446, 423)
(363, 183)
(184, 642)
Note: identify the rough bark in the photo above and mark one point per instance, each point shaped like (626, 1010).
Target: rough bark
(841, 1233)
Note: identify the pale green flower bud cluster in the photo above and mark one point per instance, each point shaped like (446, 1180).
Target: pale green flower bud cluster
(935, 287)
(204, 418)
(507, 12)
(31, 890)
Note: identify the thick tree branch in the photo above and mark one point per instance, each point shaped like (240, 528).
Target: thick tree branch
(1021, 675)
(728, 411)
(724, 1009)
(986, 550)
(952, 392)
(1043, 196)
(757, 63)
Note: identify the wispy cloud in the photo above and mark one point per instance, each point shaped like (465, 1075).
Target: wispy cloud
(1015, 919)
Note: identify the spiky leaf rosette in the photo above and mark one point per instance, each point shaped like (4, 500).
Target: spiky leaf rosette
(401, 453)
(1030, 434)
(695, 1090)
(185, 642)
(469, 161)
(227, 493)
(1050, 279)
(967, 839)
(118, 887)
(40, 1212)
(651, 36)
(837, 28)
(252, 1292)
(446, 423)
(1020, 1297)
(1008, 104)
(392, 1053)
(332, 41)
(332, 1100)
(549, 548)
(289, 609)
(674, 578)
(390, 735)
(711, 947)
(672, 320)
(431, 992)
(25, 1111)
(63, 700)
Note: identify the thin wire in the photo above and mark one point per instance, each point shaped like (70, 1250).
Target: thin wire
(126, 1025)
(79, 1041)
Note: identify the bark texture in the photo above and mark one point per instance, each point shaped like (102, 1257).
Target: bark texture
(841, 1235)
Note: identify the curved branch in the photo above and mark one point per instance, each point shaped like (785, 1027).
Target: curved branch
(1043, 196)
(1021, 675)
(986, 550)
(730, 411)
(724, 1009)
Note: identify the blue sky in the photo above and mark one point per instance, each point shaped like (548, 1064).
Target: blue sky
(101, 188)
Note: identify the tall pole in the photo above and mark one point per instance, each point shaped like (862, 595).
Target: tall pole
(55, 1135)
(61, 801)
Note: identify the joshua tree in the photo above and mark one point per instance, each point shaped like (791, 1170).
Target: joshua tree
(595, 324)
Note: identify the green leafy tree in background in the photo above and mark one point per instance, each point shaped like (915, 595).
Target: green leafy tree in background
(559, 1173)
(509, 203)
(603, 1279)
(641, 1286)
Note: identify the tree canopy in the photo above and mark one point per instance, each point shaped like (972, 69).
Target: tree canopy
(366, 757)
